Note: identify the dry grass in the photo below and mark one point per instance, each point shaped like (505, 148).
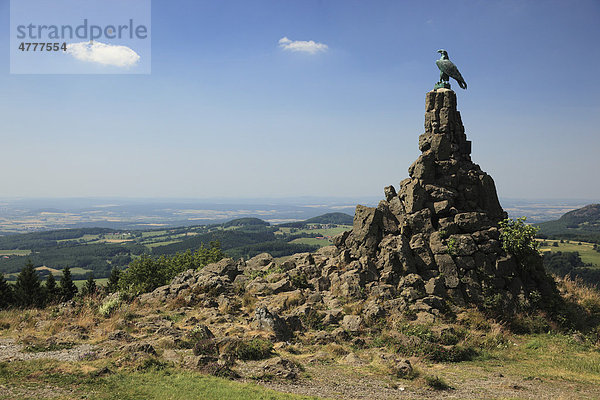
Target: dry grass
(580, 293)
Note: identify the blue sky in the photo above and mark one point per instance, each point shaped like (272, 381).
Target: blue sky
(228, 112)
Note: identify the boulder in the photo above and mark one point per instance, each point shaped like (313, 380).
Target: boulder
(281, 368)
(258, 262)
(226, 267)
(351, 323)
(472, 221)
(367, 231)
(271, 321)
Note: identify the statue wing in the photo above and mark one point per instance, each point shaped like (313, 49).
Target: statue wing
(448, 67)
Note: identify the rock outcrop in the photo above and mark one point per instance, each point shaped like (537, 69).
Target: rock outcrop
(429, 247)
(437, 237)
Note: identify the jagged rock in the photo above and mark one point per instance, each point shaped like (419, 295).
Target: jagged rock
(447, 269)
(226, 267)
(281, 368)
(120, 335)
(413, 196)
(141, 348)
(441, 207)
(472, 221)
(271, 321)
(420, 222)
(352, 323)
(340, 239)
(402, 368)
(347, 285)
(390, 223)
(436, 243)
(282, 285)
(367, 231)
(430, 246)
(259, 262)
(435, 286)
(373, 312)
(464, 245)
(440, 193)
(390, 192)
(424, 167)
(257, 285)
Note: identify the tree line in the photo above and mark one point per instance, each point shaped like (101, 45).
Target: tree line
(569, 263)
(29, 291)
(144, 274)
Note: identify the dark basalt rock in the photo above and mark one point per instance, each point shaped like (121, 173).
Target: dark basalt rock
(441, 224)
(431, 245)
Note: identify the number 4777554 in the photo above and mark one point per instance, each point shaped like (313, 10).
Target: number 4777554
(43, 46)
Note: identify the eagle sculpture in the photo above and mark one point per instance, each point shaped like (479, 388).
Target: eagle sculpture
(448, 70)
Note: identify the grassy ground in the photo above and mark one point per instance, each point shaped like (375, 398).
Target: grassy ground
(56, 380)
(586, 250)
(549, 364)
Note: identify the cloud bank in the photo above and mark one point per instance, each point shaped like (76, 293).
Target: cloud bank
(303, 46)
(104, 54)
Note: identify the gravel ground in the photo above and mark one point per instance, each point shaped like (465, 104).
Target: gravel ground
(11, 351)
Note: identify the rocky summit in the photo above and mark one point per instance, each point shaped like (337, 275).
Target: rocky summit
(437, 237)
(431, 247)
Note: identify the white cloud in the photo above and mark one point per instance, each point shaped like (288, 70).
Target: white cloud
(303, 46)
(105, 54)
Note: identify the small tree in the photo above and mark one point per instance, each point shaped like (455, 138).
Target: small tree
(6, 293)
(89, 287)
(28, 290)
(113, 280)
(68, 290)
(146, 273)
(517, 237)
(51, 289)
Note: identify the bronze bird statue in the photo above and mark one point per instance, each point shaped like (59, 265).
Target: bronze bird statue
(448, 70)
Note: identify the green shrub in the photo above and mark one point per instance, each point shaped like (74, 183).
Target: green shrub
(152, 364)
(418, 330)
(253, 349)
(206, 347)
(437, 383)
(312, 320)
(424, 348)
(108, 306)
(452, 247)
(517, 237)
(147, 273)
(44, 347)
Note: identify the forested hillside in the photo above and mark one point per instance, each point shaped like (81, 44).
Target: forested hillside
(99, 250)
(581, 224)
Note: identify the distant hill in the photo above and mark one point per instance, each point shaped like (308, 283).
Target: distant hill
(336, 218)
(245, 222)
(581, 224)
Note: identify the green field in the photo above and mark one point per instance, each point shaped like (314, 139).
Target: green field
(101, 281)
(323, 232)
(312, 241)
(585, 250)
(156, 244)
(15, 252)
